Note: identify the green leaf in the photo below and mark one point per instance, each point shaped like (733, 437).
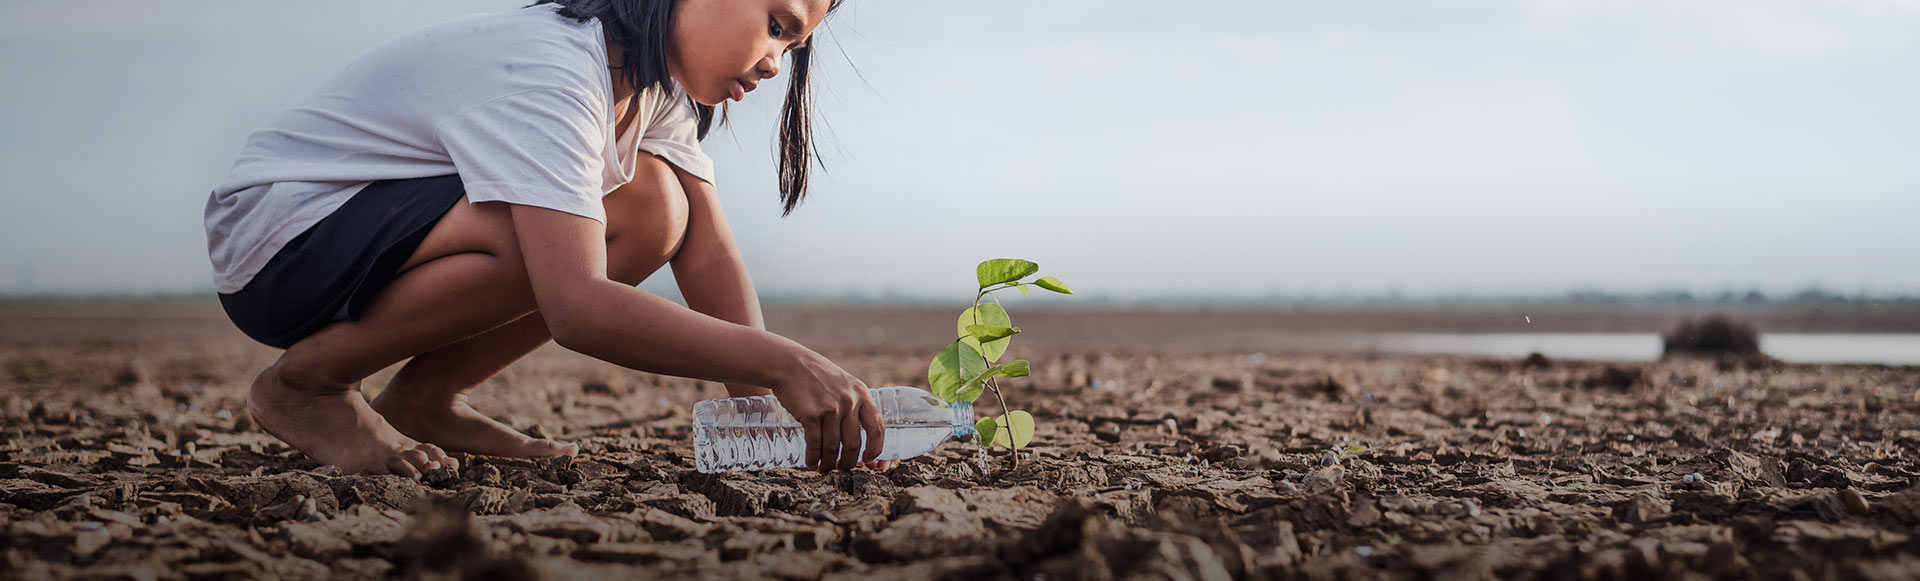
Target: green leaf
(1015, 368)
(990, 333)
(1022, 286)
(988, 429)
(951, 369)
(1020, 427)
(1053, 284)
(1003, 270)
(991, 315)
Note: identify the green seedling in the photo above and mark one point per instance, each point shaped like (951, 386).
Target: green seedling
(966, 368)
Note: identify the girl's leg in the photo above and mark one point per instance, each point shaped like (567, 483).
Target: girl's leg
(465, 279)
(427, 399)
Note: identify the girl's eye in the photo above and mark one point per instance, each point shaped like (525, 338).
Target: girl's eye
(774, 28)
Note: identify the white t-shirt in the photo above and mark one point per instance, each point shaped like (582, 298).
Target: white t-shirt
(518, 103)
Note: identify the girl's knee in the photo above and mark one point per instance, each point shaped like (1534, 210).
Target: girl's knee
(646, 220)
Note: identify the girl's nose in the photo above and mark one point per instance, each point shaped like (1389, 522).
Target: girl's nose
(769, 67)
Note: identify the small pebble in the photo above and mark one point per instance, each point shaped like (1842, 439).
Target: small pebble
(1470, 507)
(1329, 459)
(90, 526)
(223, 414)
(1856, 503)
(1363, 551)
(1433, 470)
(1133, 486)
(1691, 478)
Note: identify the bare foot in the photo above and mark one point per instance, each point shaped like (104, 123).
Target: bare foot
(447, 420)
(337, 428)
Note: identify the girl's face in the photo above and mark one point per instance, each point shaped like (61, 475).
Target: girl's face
(721, 49)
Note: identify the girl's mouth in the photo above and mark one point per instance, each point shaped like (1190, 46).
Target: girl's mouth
(739, 90)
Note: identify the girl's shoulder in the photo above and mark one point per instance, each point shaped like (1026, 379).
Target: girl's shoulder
(532, 47)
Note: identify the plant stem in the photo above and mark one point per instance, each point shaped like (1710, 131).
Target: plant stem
(1005, 412)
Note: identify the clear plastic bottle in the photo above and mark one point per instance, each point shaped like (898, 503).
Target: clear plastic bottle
(755, 433)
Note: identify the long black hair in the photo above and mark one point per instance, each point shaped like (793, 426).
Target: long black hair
(640, 27)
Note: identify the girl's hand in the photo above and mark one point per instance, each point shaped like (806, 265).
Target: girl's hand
(833, 408)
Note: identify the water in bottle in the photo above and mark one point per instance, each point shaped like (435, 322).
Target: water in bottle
(755, 433)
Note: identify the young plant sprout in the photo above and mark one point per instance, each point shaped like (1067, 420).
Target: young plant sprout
(965, 369)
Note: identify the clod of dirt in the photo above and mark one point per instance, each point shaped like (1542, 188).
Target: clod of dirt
(1711, 335)
(1324, 479)
(441, 539)
(483, 499)
(1079, 541)
(440, 477)
(1535, 360)
(1615, 377)
(691, 506)
(1753, 470)
(1904, 505)
(1642, 508)
(732, 494)
(383, 491)
(564, 521)
(561, 470)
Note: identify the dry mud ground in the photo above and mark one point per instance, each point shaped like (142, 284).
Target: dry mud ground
(128, 454)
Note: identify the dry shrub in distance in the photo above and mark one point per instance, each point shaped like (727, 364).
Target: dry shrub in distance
(1713, 335)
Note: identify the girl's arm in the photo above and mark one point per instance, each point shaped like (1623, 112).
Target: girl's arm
(709, 270)
(566, 260)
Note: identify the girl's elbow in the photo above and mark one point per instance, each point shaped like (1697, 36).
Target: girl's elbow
(569, 335)
(571, 327)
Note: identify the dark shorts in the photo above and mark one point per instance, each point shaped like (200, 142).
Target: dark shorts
(332, 271)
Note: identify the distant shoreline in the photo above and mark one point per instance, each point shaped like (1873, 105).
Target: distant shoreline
(1474, 318)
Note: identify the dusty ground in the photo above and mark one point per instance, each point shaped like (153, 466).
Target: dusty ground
(128, 454)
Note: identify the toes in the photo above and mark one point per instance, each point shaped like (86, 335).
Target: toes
(437, 457)
(417, 458)
(560, 448)
(399, 466)
(544, 448)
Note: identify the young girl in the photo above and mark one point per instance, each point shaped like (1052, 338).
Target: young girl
(466, 192)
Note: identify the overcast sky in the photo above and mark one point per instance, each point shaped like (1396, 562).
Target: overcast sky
(1132, 148)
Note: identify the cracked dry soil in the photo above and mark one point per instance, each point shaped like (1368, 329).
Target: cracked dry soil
(128, 455)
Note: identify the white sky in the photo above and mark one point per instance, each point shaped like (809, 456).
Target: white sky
(1229, 147)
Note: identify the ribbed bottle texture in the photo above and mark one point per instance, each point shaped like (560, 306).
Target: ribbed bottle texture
(755, 433)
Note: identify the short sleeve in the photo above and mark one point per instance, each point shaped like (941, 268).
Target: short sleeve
(538, 148)
(674, 135)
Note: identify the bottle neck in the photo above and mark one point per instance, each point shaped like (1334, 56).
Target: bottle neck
(962, 418)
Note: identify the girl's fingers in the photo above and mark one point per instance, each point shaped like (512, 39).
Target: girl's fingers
(850, 439)
(829, 441)
(876, 431)
(812, 432)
